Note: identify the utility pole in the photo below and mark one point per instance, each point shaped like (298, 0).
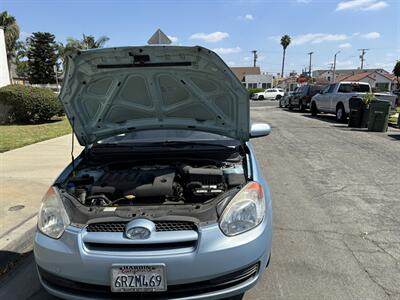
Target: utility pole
(334, 66)
(363, 50)
(309, 67)
(254, 57)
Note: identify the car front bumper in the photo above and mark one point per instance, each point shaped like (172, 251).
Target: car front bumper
(215, 256)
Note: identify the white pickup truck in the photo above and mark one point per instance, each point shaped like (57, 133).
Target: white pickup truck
(335, 98)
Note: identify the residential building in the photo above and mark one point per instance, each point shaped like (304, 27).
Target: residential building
(251, 77)
(289, 84)
(4, 75)
(328, 73)
(262, 81)
(379, 81)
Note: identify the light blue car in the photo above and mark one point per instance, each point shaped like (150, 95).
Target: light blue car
(167, 200)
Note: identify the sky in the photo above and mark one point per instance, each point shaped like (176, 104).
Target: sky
(232, 28)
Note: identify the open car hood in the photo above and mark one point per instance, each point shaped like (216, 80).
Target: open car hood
(117, 90)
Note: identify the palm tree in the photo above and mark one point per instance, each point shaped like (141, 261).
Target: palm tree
(87, 42)
(285, 42)
(11, 35)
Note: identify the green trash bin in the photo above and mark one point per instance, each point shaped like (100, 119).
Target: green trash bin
(378, 116)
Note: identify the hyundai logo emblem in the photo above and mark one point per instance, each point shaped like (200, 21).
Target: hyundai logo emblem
(139, 229)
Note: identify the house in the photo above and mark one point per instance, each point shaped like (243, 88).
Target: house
(379, 81)
(338, 72)
(4, 75)
(289, 84)
(251, 77)
(327, 75)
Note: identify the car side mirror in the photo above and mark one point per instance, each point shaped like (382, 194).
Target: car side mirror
(259, 130)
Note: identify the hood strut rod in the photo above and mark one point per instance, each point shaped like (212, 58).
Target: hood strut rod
(73, 145)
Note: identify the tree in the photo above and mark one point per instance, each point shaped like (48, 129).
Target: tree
(396, 71)
(87, 42)
(42, 57)
(285, 42)
(21, 62)
(11, 35)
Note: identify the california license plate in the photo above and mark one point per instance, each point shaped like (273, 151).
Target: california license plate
(138, 278)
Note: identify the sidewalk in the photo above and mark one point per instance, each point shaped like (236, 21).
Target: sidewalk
(25, 175)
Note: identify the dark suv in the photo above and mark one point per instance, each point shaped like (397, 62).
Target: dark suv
(302, 97)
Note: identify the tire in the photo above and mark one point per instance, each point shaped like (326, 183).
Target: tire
(340, 113)
(261, 97)
(237, 297)
(314, 109)
(302, 108)
(278, 97)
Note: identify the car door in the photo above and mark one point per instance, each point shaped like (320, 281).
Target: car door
(342, 96)
(269, 94)
(324, 102)
(297, 95)
(274, 92)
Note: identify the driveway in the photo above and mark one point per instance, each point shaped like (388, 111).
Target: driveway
(25, 175)
(336, 212)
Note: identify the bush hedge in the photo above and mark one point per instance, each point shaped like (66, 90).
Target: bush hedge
(24, 104)
(255, 90)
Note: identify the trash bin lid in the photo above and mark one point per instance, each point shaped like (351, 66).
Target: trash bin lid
(380, 104)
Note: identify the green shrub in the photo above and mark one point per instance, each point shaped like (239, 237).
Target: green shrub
(28, 104)
(255, 90)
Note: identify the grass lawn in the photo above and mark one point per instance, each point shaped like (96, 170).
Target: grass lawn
(16, 136)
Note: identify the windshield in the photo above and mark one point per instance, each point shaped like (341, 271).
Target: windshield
(167, 135)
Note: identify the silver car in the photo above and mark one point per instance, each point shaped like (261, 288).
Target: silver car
(167, 200)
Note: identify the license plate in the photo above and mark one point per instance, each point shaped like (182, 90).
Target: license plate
(138, 278)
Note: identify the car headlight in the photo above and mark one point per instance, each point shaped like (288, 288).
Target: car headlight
(53, 218)
(245, 211)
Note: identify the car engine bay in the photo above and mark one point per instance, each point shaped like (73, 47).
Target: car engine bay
(159, 182)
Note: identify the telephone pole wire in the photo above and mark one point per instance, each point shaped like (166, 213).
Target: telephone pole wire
(254, 57)
(309, 67)
(363, 51)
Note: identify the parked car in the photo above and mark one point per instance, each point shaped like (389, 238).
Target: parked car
(302, 97)
(335, 98)
(285, 100)
(271, 94)
(167, 200)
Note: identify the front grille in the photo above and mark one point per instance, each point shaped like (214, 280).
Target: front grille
(106, 227)
(139, 247)
(174, 291)
(174, 226)
(160, 226)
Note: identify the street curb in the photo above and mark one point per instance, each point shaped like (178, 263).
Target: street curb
(16, 243)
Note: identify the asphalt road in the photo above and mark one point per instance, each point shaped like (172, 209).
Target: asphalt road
(336, 201)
